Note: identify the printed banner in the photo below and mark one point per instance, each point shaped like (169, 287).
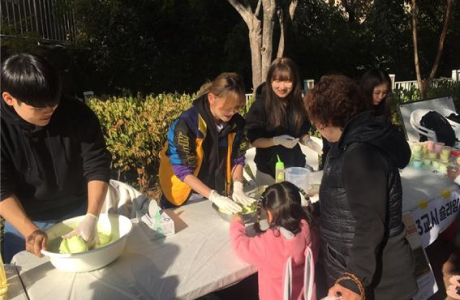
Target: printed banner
(434, 216)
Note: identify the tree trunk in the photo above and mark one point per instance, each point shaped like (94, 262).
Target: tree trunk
(415, 43)
(286, 17)
(269, 9)
(350, 8)
(281, 43)
(255, 38)
(442, 39)
(424, 85)
(261, 32)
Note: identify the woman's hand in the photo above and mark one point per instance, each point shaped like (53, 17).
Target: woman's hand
(285, 140)
(346, 294)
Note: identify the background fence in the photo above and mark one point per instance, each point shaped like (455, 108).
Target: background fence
(53, 20)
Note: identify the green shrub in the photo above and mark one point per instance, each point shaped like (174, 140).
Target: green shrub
(135, 130)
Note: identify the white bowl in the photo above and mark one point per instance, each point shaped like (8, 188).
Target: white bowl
(119, 226)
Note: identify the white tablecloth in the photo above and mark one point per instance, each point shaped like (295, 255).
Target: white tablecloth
(198, 259)
(195, 261)
(431, 198)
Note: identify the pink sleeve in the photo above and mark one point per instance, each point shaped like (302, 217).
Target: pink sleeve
(249, 249)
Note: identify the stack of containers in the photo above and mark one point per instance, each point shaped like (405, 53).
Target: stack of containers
(435, 155)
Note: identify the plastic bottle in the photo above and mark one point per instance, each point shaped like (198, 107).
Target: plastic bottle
(279, 170)
(3, 280)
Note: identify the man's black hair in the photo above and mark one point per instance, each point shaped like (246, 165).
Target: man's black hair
(31, 79)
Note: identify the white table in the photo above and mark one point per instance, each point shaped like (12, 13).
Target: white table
(195, 261)
(16, 289)
(431, 198)
(198, 259)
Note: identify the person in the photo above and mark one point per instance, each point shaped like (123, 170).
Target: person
(205, 149)
(289, 244)
(376, 84)
(450, 268)
(54, 161)
(363, 237)
(276, 121)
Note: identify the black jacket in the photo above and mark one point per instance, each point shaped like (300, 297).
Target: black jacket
(48, 167)
(256, 127)
(361, 210)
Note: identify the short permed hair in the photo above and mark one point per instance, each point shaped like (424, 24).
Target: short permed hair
(31, 79)
(335, 100)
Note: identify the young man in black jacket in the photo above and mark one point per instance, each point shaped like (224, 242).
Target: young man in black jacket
(54, 161)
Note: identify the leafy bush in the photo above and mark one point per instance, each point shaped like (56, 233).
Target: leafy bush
(135, 129)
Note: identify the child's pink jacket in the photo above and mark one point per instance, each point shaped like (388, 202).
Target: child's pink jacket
(270, 253)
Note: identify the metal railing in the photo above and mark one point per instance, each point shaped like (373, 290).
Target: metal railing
(404, 85)
(51, 19)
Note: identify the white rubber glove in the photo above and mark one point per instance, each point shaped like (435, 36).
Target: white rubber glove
(285, 140)
(87, 229)
(239, 196)
(307, 141)
(224, 203)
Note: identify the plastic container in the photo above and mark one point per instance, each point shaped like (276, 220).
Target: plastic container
(433, 155)
(446, 150)
(299, 177)
(417, 155)
(454, 156)
(119, 226)
(279, 170)
(416, 147)
(430, 145)
(438, 147)
(417, 163)
(3, 281)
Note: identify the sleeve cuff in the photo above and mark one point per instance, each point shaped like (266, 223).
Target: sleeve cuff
(457, 180)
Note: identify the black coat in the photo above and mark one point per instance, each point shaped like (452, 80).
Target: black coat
(48, 167)
(361, 210)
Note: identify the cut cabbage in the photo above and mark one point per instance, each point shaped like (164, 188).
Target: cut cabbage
(104, 239)
(74, 244)
(77, 244)
(247, 209)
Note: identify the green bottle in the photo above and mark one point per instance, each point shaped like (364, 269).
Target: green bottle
(279, 170)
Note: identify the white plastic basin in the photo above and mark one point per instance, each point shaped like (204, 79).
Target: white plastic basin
(119, 226)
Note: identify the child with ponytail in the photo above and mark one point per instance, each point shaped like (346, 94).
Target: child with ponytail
(286, 252)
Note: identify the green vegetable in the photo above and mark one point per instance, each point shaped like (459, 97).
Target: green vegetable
(104, 239)
(74, 244)
(246, 209)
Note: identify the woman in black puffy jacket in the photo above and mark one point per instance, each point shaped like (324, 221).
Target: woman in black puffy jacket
(364, 239)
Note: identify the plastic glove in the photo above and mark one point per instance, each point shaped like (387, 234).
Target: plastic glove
(224, 203)
(285, 140)
(87, 229)
(239, 196)
(307, 141)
